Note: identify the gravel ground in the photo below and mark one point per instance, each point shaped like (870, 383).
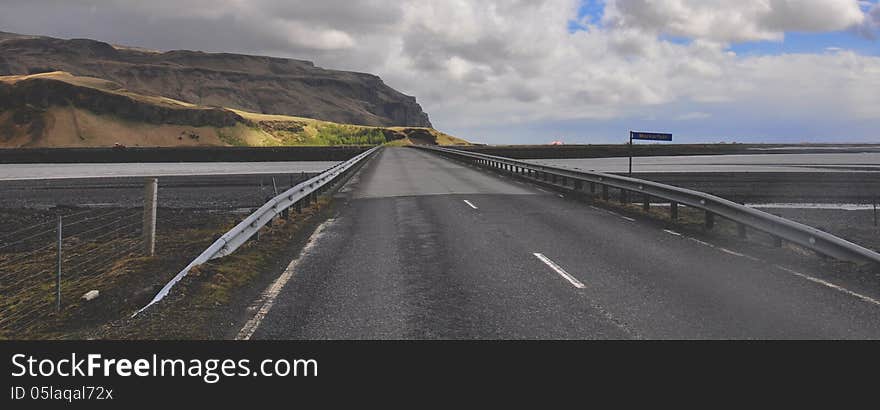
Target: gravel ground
(193, 211)
(125, 280)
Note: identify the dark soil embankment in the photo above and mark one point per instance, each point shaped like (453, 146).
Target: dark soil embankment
(778, 187)
(650, 150)
(177, 154)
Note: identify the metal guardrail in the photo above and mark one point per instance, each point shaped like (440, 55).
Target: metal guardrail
(232, 240)
(778, 227)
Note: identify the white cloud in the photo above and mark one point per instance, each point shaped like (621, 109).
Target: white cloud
(734, 20)
(691, 116)
(498, 65)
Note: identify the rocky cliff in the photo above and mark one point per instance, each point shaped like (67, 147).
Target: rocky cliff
(57, 109)
(252, 83)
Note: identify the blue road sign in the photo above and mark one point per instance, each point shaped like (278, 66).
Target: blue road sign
(651, 136)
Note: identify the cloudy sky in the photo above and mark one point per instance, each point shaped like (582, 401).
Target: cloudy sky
(533, 71)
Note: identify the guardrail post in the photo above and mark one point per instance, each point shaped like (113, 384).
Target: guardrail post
(646, 203)
(299, 206)
(780, 230)
(777, 242)
(578, 185)
(151, 190)
(592, 187)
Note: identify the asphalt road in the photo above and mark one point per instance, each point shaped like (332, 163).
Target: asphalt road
(423, 247)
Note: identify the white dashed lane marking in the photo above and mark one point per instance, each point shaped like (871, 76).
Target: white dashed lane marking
(558, 269)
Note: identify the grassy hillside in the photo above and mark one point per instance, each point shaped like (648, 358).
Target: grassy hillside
(251, 83)
(61, 110)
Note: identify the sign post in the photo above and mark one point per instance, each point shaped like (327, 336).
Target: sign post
(650, 136)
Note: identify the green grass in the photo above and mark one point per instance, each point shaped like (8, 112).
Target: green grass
(231, 139)
(333, 134)
(226, 276)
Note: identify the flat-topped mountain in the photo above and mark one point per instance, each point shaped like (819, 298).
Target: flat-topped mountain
(58, 109)
(266, 85)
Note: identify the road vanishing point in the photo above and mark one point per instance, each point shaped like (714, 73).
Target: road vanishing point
(422, 247)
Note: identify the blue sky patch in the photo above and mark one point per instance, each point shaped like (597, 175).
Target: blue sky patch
(793, 43)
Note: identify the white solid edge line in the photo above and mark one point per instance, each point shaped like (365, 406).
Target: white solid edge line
(728, 251)
(830, 285)
(628, 218)
(267, 299)
(470, 204)
(671, 232)
(558, 269)
(707, 244)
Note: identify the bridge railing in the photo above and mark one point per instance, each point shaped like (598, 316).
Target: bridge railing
(306, 191)
(779, 228)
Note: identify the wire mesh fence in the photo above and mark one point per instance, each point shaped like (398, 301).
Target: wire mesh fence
(102, 239)
(37, 276)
